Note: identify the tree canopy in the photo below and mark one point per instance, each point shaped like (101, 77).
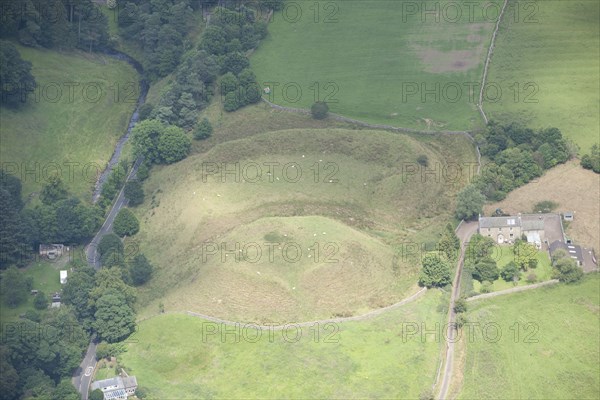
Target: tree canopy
(134, 192)
(16, 79)
(158, 143)
(566, 270)
(435, 271)
(469, 203)
(126, 223)
(115, 320)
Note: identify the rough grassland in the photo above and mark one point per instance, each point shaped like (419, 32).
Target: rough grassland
(556, 357)
(172, 358)
(370, 207)
(558, 49)
(367, 55)
(574, 189)
(46, 278)
(57, 129)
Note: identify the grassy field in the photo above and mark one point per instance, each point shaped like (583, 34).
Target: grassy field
(543, 271)
(57, 130)
(558, 51)
(559, 185)
(349, 184)
(374, 61)
(557, 356)
(173, 358)
(46, 278)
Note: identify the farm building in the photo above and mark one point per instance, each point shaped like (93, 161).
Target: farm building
(585, 258)
(537, 228)
(55, 300)
(568, 215)
(51, 251)
(572, 250)
(117, 388)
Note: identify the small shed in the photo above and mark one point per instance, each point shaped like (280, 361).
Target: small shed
(569, 215)
(63, 276)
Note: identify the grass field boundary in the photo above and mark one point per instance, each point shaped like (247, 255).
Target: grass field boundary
(341, 118)
(361, 317)
(513, 290)
(487, 62)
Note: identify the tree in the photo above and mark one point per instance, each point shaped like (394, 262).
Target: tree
(592, 160)
(460, 306)
(14, 287)
(126, 223)
(480, 247)
(531, 278)
(423, 160)
(143, 171)
(525, 255)
(134, 192)
(10, 378)
(449, 243)
(158, 143)
(234, 63)
(110, 246)
(40, 301)
(558, 254)
(485, 270)
(76, 292)
(204, 130)
(36, 383)
(469, 203)
(486, 287)
(96, 395)
(65, 391)
(140, 270)
(53, 191)
(319, 110)
(108, 279)
(106, 350)
(510, 272)
(115, 320)
(13, 238)
(228, 83)
(435, 271)
(16, 80)
(566, 270)
(145, 111)
(55, 353)
(231, 102)
(76, 222)
(173, 145)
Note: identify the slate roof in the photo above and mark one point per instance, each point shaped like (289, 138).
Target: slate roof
(498, 222)
(129, 382)
(110, 382)
(573, 250)
(532, 225)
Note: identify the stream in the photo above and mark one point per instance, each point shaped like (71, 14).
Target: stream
(143, 91)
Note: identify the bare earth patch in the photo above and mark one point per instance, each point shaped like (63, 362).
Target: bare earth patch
(574, 189)
(438, 62)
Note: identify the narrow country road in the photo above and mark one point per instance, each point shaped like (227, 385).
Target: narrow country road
(464, 233)
(82, 377)
(91, 250)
